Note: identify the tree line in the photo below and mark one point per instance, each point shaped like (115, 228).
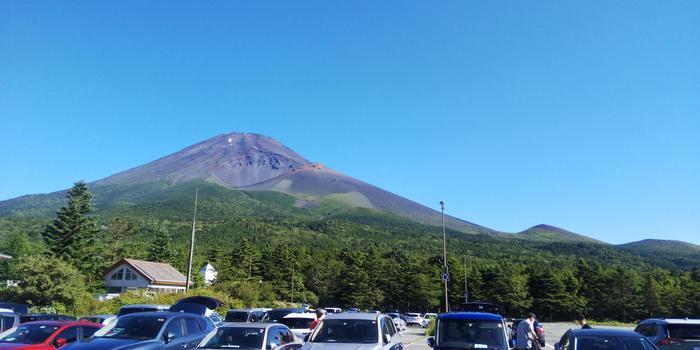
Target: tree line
(344, 263)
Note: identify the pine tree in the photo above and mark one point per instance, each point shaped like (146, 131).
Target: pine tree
(160, 249)
(72, 235)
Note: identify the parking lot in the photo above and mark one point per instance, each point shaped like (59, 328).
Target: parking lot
(415, 339)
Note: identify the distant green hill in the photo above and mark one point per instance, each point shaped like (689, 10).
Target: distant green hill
(682, 254)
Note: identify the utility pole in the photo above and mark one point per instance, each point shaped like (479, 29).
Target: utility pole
(194, 228)
(466, 290)
(445, 272)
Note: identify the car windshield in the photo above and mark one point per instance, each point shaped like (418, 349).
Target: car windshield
(235, 338)
(132, 328)
(236, 316)
(28, 334)
(346, 331)
(684, 331)
(471, 334)
(609, 343)
(297, 322)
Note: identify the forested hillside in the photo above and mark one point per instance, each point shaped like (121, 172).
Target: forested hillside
(358, 257)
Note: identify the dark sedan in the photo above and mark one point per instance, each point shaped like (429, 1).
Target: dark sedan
(148, 331)
(603, 339)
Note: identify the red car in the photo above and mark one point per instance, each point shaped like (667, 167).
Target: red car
(46, 335)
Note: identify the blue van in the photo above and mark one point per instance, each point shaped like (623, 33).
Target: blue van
(470, 330)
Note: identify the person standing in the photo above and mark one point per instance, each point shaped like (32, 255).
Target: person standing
(581, 320)
(526, 333)
(320, 314)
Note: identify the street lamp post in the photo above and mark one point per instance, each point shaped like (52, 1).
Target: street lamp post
(445, 271)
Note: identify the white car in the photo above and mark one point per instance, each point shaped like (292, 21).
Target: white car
(399, 323)
(428, 316)
(299, 323)
(356, 331)
(414, 318)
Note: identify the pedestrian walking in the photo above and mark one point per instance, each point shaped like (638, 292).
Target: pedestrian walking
(527, 338)
(581, 320)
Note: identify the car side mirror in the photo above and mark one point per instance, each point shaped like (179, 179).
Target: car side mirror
(387, 338)
(60, 342)
(169, 337)
(431, 342)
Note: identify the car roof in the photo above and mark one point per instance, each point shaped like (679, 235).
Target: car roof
(605, 332)
(146, 305)
(301, 315)
(353, 316)
(249, 325)
(61, 323)
(673, 320)
(161, 314)
(102, 316)
(466, 315)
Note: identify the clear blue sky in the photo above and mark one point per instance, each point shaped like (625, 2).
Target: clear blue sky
(583, 115)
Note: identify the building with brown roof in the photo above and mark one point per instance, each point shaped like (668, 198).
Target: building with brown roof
(131, 274)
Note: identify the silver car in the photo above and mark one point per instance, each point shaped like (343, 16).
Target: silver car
(258, 336)
(356, 331)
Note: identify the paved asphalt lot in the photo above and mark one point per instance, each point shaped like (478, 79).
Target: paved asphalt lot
(415, 339)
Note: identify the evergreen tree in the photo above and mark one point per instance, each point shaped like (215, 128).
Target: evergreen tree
(160, 249)
(72, 235)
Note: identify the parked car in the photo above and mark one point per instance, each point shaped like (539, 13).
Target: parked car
(130, 309)
(244, 315)
(276, 315)
(538, 329)
(478, 306)
(353, 309)
(669, 333)
(603, 339)
(148, 331)
(399, 322)
(357, 331)
(414, 319)
(427, 317)
(44, 317)
(259, 336)
(19, 308)
(46, 335)
(470, 330)
(299, 323)
(101, 319)
(200, 305)
(8, 319)
(333, 310)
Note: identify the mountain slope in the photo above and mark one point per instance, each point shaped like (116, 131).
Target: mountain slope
(232, 159)
(548, 233)
(314, 184)
(681, 253)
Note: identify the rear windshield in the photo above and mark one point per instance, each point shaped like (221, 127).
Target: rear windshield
(235, 338)
(346, 331)
(296, 322)
(684, 331)
(471, 334)
(236, 316)
(28, 334)
(609, 343)
(130, 310)
(132, 327)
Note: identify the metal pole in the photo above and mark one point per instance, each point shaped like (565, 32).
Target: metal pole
(194, 227)
(466, 291)
(444, 255)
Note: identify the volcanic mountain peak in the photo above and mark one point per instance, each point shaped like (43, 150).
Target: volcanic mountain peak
(235, 159)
